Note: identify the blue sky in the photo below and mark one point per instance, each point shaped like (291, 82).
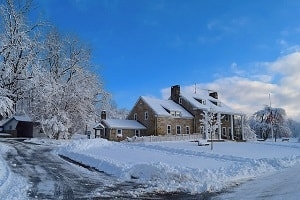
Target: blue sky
(244, 49)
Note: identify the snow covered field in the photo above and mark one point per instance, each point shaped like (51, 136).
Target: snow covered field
(184, 166)
(168, 166)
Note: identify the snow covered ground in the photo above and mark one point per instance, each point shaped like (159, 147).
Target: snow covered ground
(184, 166)
(170, 166)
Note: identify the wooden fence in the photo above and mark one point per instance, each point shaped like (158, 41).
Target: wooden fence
(181, 137)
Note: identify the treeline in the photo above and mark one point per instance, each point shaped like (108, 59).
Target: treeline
(47, 75)
(271, 122)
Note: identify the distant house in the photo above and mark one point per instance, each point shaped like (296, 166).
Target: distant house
(161, 117)
(117, 129)
(17, 126)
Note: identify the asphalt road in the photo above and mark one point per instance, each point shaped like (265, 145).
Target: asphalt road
(281, 185)
(53, 177)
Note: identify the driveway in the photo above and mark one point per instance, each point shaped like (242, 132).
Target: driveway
(52, 177)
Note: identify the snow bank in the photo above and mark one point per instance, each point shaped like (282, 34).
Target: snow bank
(183, 166)
(11, 185)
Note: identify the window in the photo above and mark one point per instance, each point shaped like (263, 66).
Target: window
(227, 118)
(119, 132)
(177, 113)
(137, 133)
(187, 130)
(169, 129)
(178, 129)
(180, 100)
(135, 116)
(146, 115)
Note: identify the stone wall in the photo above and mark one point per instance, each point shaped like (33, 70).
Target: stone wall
(163, 122)
(139, 109)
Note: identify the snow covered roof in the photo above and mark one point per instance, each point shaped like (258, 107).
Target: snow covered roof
(166, 107)
(202, 100)
(98, 126)
(123, 124)
(23, 118)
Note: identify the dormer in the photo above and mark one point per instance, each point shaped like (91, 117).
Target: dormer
(174, 113)
(217, 103)
(213, 95)
(202, 101)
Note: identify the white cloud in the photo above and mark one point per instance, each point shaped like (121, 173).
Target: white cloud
(249, 94)
(263, 78)
(288, 64)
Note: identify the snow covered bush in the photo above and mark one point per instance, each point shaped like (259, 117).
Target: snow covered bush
(55, 128)
(294, 127)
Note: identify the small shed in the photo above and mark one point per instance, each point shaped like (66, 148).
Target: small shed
(17, 126)
(120, 129)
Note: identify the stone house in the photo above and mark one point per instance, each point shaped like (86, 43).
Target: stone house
(182, 114)
(161, 117)
(204, 100)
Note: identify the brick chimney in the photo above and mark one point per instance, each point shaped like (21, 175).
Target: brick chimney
(175, 93)
(103, 114)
